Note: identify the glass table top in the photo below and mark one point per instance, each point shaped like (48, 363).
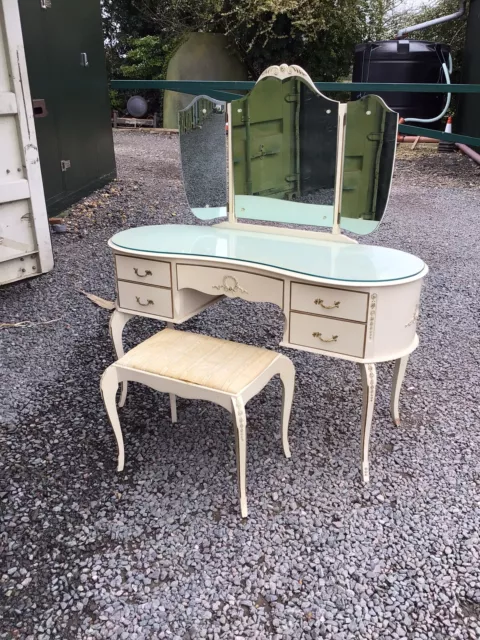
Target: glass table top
(317, 258)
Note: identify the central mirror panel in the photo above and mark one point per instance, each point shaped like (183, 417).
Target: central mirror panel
(203, 150)
(284, 153)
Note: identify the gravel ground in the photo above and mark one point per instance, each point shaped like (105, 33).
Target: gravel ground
(160, 550)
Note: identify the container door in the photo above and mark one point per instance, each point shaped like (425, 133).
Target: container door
(25, 248)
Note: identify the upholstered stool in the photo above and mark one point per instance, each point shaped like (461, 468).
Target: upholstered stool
(197, 366)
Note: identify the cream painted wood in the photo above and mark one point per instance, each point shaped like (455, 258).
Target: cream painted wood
(231, 282)
(154, 272)
(118, 320)
(234, 403)
(398, 376)
(389, 332)
(327, 334)
(329, 301)
(369, 385)
(283, 231)
(141, 297)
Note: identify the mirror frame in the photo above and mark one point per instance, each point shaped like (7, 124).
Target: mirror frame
(281, 73)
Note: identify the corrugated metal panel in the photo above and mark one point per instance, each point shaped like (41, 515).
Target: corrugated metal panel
(25, 247)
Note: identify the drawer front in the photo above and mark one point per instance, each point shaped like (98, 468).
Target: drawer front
(327, 334)
(327, 301)
(230, 282)
(138, 297)
(143, 271)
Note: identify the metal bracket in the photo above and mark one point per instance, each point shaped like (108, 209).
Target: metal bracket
(65, 164)
(83, 60)
(46, 4)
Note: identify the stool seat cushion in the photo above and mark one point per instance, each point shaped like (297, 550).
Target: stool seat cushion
(202, 360)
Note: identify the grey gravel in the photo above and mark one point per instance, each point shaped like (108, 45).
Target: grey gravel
(160, 550)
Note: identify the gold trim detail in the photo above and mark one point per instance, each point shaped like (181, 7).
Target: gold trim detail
(372, 316)
(372, 380)
(335, 305)
(229, 285)
(241, 418)
(317, 334)
(414, 319)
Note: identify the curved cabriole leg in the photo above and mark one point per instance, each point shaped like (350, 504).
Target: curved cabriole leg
(398, 376)
(118, 320)
(240, 428)
(287, 376)
(369, 383)
(108, 387)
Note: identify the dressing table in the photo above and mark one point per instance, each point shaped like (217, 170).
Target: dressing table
(291, 157)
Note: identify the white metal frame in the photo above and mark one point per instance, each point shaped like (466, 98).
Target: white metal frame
(16, 103)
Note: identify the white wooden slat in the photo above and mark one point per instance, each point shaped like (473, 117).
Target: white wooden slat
(8, 103)
(15, 190)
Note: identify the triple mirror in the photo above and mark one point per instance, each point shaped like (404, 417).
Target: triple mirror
(295, 156)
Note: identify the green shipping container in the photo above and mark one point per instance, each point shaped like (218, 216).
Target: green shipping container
(68, 81)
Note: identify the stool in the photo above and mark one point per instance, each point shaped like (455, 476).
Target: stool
(197, 366)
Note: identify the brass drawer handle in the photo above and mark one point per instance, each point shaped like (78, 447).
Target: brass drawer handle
(144, 304)
(317, 334)
(142, 275)
(335, 305)
(229, 285)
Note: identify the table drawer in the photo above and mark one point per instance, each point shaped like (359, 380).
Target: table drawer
(144, 271)
(327, 334)
(141, 297)
(328, 301)
(231, 282)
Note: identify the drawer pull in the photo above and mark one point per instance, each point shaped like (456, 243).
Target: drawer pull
(335, 305)
(317, 334)
(144, 304)
(142, 275)
(229, 285)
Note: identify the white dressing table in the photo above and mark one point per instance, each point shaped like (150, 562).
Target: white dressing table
(350, 301)
(296, 157)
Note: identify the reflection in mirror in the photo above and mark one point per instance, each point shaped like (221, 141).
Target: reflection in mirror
(370, 145)
(204, 156)
(284, 146)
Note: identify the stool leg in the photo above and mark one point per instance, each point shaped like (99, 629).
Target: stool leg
(287, 376)
(240, 428)
(118, 320)
(108, 387)
(173, 407)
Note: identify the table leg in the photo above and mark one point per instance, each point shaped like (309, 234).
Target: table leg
(118, 320)
(398, 375)
(369, 383)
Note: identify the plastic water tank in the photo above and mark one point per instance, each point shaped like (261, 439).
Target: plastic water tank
(400, 61)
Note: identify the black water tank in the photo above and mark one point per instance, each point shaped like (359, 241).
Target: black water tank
(399, 61)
